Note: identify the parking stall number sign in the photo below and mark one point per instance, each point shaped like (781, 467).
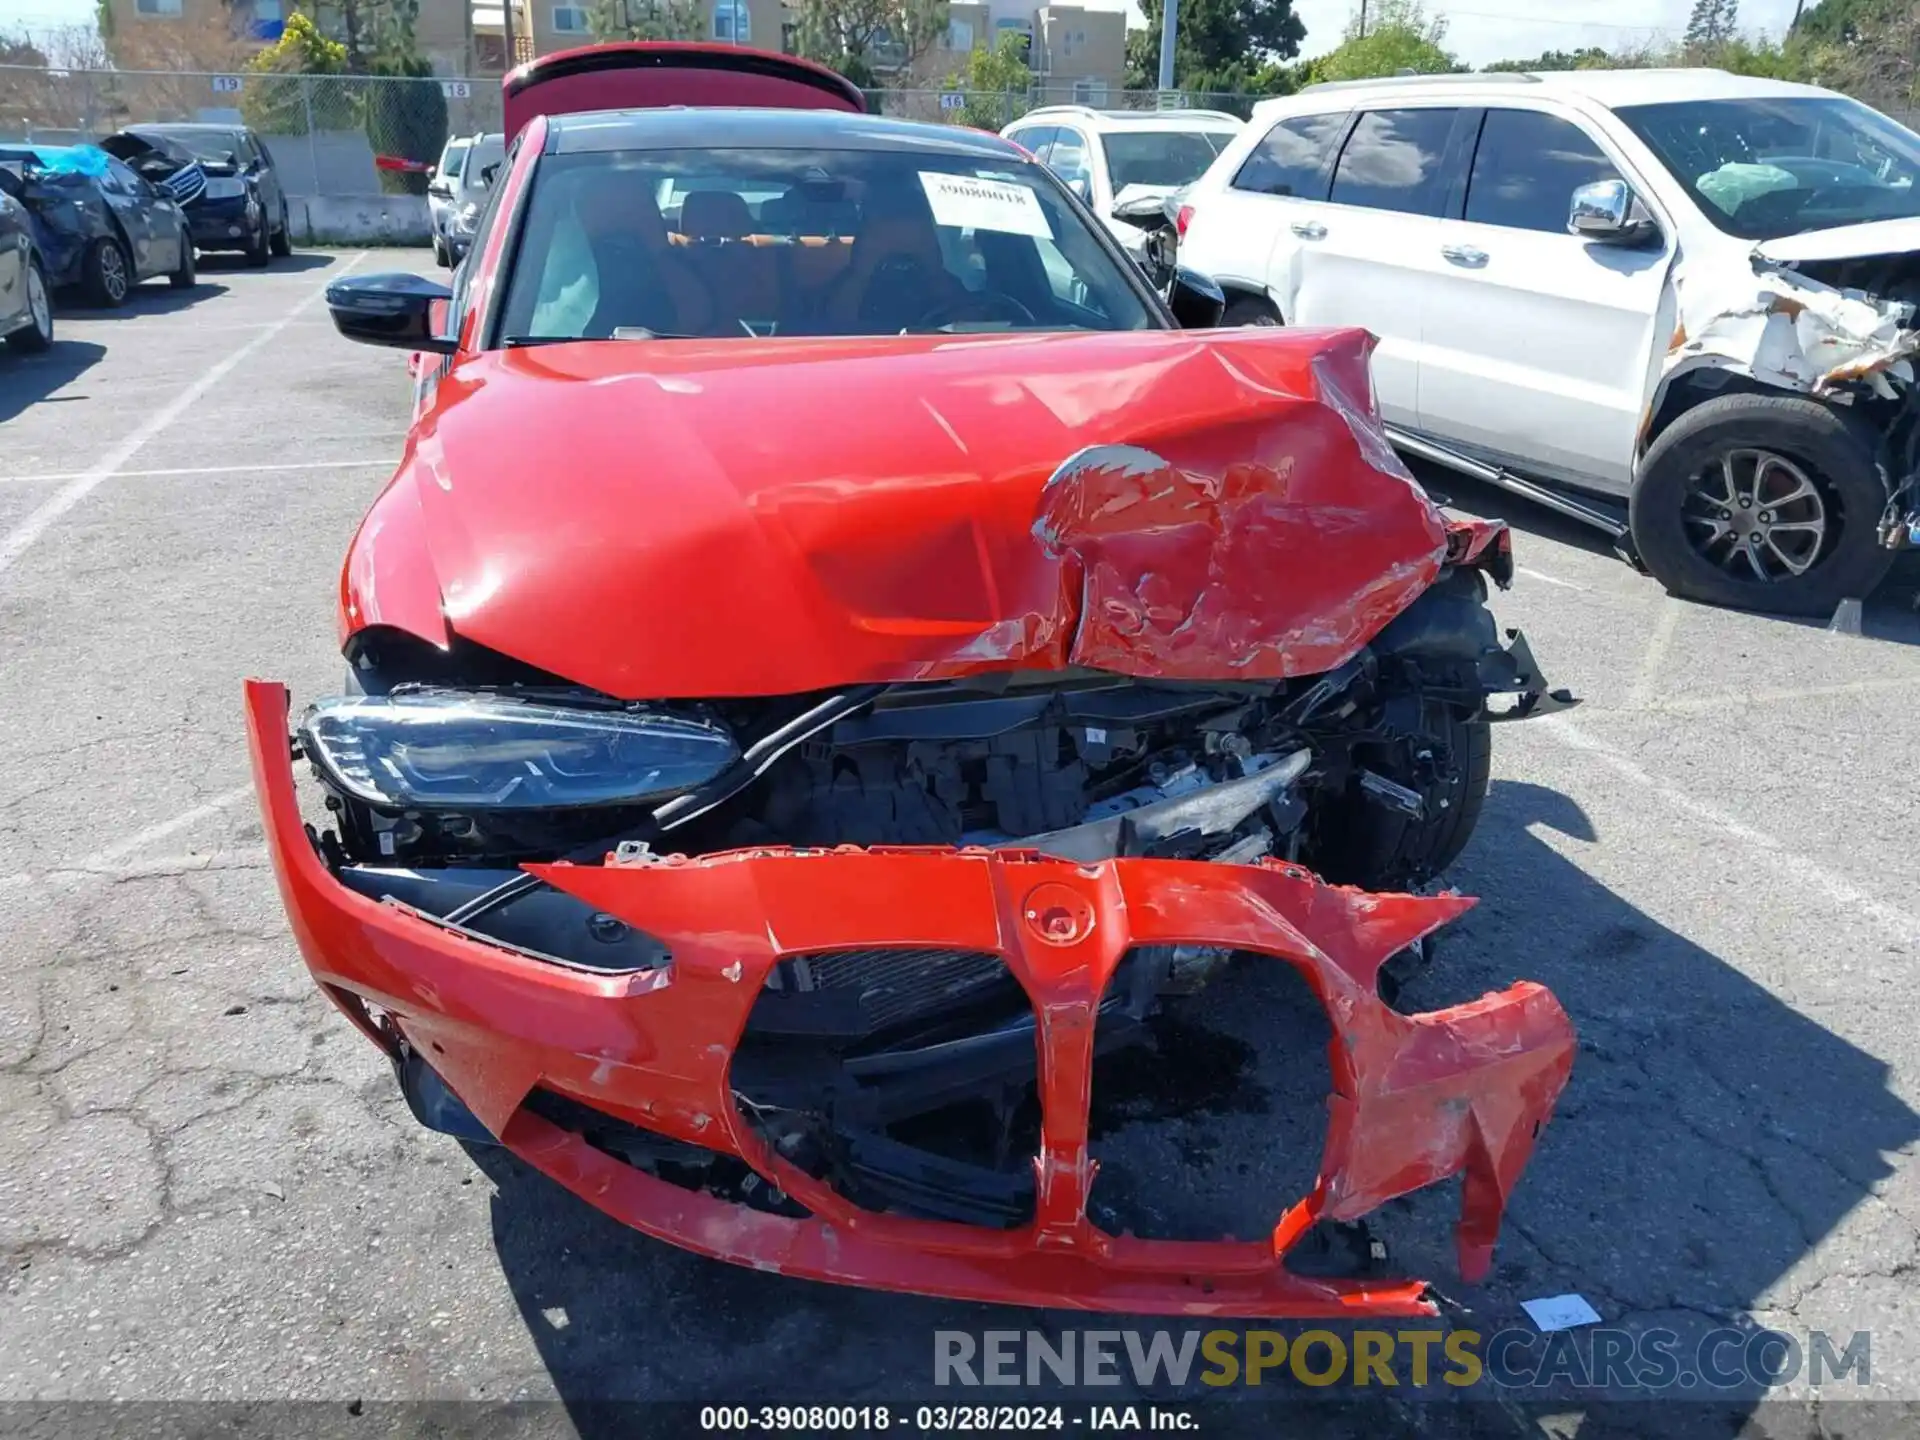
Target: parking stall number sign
(953, 100)
(226, 84)
(456, 89)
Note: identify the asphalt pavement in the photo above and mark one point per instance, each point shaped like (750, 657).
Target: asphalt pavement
(209, 1189)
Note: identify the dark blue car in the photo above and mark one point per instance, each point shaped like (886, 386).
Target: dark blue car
(101, 228)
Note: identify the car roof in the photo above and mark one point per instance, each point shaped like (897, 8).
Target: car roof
(1607, 88)
(1103, 120)
(723, 128)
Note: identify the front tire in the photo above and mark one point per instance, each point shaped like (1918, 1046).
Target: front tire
(1762, 502)
(106, 275)
(36, 336)
(282, 242)
(1360, 842)
(184, 276)
(260, 246)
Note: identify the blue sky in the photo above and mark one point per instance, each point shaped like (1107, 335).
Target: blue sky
(1478, 30)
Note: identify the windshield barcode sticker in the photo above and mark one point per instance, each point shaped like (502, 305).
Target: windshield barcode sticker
(969, 203)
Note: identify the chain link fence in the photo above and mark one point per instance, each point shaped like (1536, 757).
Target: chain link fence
(362, 135)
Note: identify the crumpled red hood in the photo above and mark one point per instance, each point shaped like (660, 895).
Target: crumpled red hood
(746, 517)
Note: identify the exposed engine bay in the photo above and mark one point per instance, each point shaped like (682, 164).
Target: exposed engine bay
(904, 1078)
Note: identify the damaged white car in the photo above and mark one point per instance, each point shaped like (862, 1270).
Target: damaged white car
(1684, 290)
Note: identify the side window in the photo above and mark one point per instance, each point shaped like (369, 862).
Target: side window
(1527, 167)
(1068, 158)
(265, 154)
(1291, 158)
(1393, 161)
(1036, 139)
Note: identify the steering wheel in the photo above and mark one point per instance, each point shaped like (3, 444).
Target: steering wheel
(988, 305)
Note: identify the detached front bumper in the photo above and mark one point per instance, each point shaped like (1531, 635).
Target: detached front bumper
(1416, 1098)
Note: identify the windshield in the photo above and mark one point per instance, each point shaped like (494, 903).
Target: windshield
(450, 162)
(1161, 157)
(806, 242)
(487, 151)
(209, 147)
(1764, 168)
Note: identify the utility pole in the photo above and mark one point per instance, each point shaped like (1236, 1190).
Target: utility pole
(1794, 24)
(506, 15)
(1169, 27)
(1363, 19)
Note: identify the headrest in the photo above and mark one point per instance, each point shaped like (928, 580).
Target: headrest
(715, 215)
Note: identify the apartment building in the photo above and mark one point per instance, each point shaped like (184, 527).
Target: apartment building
(1077, 54)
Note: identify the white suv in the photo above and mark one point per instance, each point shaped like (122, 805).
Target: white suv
(1110, 156)
(1684, 289)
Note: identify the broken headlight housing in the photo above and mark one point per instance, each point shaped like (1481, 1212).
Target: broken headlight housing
(432, 749)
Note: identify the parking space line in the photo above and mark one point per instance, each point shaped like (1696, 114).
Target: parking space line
(241, 469)
(1546, 579)
(1655, 655)
(20, 538)
(1699, 704)
(133, 844)
(1805, 872)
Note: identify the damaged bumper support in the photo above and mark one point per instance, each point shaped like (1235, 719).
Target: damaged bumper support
(1416, 1098)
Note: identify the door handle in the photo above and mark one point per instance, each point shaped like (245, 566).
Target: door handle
(1309, 229)
(1464, 254)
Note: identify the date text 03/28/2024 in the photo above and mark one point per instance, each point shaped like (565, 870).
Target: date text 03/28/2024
(941, 1419)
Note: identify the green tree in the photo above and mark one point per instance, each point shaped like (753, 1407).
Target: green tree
(406, 117)
(1400, 37)
(1837, 21)
(1712, 24)
(1591, 58)
(646, 20)
(864, 39)
(997, 83)
(1222, 45)
(280, 100)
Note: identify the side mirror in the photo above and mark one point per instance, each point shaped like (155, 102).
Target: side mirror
(396, 310)
(433, 172)
(1197, 302)
(1608, 212)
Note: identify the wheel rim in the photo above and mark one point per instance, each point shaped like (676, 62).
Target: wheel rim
(1756, 515)
(113, 273)
(37, 305)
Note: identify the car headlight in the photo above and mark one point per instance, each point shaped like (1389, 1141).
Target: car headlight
(466, 218)
(225, 187)
(450, 750)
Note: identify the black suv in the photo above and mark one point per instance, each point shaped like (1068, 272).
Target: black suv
(244, 206)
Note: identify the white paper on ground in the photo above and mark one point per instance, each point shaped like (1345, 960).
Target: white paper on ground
(1560, 1312)
(969, 203)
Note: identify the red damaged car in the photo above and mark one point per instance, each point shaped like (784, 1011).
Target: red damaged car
(840, 648)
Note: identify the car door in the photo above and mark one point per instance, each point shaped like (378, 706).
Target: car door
(272, 198)
(15, 241)
(1237, 230)
(1071, 158)
(1536, 342)
(121, 187)
(1362, 256)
